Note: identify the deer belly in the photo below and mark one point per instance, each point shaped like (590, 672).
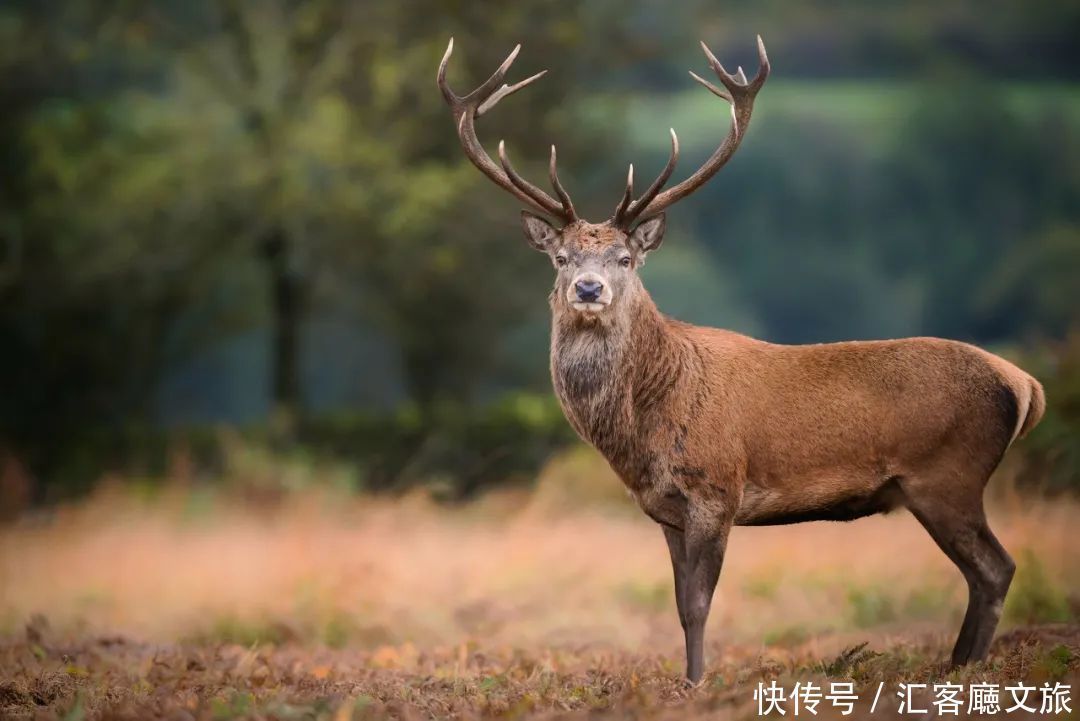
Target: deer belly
(822, 501)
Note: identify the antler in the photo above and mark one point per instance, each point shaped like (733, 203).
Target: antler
(470, 107)
(626, 213)
(737, 91)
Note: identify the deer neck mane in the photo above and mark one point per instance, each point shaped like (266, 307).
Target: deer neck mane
(610, 372)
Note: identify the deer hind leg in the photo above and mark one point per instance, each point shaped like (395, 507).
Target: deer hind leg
(961, 531)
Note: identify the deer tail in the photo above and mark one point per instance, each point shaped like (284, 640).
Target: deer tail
(1032, 406)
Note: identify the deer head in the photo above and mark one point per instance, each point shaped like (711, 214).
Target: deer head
(596, 263)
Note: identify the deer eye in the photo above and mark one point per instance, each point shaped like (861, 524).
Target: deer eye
(560, 260)
(625, 261)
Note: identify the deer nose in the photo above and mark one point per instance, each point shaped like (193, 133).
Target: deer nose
(588, 290)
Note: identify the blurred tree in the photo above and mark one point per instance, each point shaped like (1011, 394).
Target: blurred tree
(1034, 290)
(948, 214)
(983, 182)
(176, 172)
(329, 119)
(79, 316)
(169, 144)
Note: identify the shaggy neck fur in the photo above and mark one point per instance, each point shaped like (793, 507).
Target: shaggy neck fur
(613, 371)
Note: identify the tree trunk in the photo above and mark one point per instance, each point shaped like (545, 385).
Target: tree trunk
(286, 289)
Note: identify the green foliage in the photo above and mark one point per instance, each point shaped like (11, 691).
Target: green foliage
(927, 602)
(1055, 663)
(236, 705)
(244, 632)
(687, 283)
(787, 636)
(887, 209)
(177, 175)
(872, 606)
(157, 207)
(648, 597)
(1049, 458)
(338, 630)
(1034, 597)
(763, 587)
(454, 449)
(76, 712)
(849, 660)
(1037, 280)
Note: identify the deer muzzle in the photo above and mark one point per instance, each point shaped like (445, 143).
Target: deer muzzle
(589, 293)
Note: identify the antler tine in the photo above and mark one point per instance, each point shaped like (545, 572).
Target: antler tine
(504, 91)
(738, 80)
(717, 67)
(641, 203)
(764, 68)
(452, 100)
(620, 211)
(525, 186)
(466, 109)
(486, 93)
(564, 197)
(488, 86)
(717, 91)
(715, 64)
(740, 93)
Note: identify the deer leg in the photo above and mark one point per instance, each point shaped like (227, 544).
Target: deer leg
(677, 548)
(965, 537)
(705, 543)
(1000, 568)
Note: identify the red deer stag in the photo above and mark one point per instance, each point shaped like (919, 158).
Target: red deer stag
(708, 428)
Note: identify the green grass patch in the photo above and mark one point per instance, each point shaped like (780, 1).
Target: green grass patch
(1034, 596)
(238, 704)
(762, 587)
(871, 607)
(244, 632)
(847, 662)
(1055, 663)
(928, 603)
(786, 636)
(646, 596)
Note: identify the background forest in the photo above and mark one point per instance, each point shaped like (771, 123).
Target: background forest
(227, 223)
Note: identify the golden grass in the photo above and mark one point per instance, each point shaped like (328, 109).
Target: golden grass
(422, 590)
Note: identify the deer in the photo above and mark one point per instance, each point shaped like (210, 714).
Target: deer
(710, 429)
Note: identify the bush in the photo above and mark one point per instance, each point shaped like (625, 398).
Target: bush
(1049, 459)
(1033, 596)
(454, 450)
(457, 450)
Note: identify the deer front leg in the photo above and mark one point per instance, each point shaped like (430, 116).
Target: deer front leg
(705, 540)
(677, 548)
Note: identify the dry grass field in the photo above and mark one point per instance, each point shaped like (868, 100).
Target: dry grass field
(189, 603)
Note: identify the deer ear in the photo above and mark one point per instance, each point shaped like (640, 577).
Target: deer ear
(540, 233)
(648, 235)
